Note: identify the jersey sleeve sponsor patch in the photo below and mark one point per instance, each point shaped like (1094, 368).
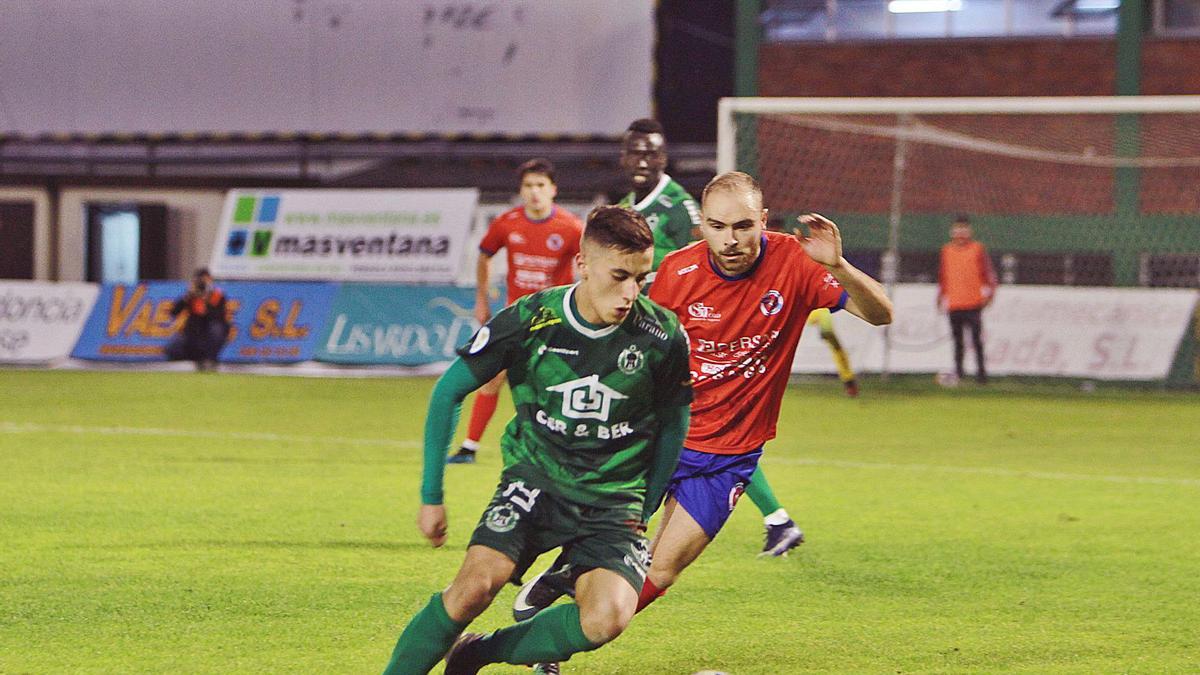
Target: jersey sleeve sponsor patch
(495, 346)
(480, 341)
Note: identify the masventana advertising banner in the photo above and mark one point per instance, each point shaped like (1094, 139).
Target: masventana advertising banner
(271, 322)
(408, 236)
(40, 321)
(1095, 333)
(398, 325)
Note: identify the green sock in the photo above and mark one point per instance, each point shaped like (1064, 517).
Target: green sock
(759, 492)
(424, 641)
(552, 635)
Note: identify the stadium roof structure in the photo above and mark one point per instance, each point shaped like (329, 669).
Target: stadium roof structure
(586, 164)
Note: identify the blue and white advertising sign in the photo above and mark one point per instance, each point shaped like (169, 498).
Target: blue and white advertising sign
(407, 236)
(398, 325)
(271, 322)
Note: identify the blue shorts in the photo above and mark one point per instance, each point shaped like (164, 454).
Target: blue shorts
(708, 486)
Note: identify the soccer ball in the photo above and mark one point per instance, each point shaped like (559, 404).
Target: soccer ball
(946, 379)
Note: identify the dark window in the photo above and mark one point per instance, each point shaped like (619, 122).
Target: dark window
(1179, 270)
(16, 240)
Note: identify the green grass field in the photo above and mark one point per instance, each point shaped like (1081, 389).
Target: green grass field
(171, 522)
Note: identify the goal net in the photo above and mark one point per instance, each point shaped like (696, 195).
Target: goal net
(1075, 191)
(1098, 191)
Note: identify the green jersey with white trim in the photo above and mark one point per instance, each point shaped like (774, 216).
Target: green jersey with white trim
(587, 397)
(671, 213)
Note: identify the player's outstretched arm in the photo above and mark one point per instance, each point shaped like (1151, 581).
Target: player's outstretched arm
(440, 421)
(868, 301)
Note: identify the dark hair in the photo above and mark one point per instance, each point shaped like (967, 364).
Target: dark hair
(962, 218)
(645, 125)
(537, 165)
(618, 227)
(732, 180)
(201, 272)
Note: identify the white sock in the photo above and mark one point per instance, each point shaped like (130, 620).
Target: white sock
(471, 445)
(779, 517)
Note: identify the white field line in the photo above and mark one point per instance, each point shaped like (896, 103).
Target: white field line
(986, 471)
(30, 428)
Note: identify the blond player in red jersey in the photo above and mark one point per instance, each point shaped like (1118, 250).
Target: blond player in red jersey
(541, 240)
(743, 295)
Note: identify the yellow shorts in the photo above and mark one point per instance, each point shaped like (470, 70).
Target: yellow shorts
(821, 317)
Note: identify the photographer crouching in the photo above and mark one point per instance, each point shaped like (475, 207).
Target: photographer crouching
(207, 325)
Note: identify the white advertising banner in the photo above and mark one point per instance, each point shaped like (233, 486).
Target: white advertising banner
(40, 321)
(1097, 333)
(406, 236)
(425, 66)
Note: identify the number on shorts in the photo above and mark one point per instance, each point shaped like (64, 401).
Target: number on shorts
(518, 494)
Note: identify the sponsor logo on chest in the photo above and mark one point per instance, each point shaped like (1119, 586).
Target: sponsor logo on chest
(587, 398)
(702, 312)
(562, 351)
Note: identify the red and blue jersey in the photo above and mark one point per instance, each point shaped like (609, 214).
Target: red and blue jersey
(541, 253)
(743, 332)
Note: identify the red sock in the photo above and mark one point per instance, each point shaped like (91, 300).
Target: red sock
(649, 594)
(481, 413)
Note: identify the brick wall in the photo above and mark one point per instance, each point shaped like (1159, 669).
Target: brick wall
(1034, 67)
(1170, 67)
(975, 68)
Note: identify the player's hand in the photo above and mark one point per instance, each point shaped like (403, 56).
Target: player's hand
(483, 313)
(431, 520)
(824, 241)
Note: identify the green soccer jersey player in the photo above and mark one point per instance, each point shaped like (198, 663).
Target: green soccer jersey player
(601, 385)
(668, 208)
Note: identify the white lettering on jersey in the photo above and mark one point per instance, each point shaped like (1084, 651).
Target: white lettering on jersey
(652, 328)
(553, 424)
(557, 350)
(537, 261)
(739, 344)
(684, 270)
(702, 312)
(531, 279)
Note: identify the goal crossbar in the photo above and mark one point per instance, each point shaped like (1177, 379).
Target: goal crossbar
(1047, 105)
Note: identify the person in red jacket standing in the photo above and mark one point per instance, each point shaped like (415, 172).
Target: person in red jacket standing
(966, 284)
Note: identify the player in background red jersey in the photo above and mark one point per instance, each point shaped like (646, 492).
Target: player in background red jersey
(541, 240)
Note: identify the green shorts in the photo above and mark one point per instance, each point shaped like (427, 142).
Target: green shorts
(523, 521)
